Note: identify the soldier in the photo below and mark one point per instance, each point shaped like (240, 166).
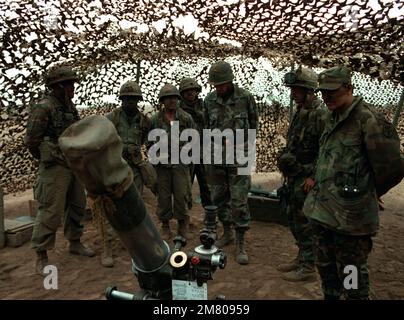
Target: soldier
(230, 107)
(57, 190)
(174, 181)
(359, 160)
(189, 90)
(133, 127)
(297, 162)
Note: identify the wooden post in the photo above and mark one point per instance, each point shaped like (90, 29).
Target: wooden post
(398, 110)
(138, 71)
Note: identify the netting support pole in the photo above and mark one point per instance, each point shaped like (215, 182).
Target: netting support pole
(138, 71)
(290, 99)
(398, 110)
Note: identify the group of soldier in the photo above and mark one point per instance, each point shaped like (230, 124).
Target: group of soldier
(59, 192)
(336, 165)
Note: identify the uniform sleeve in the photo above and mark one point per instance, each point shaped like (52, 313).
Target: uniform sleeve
(320, 122)
(252, 113)
(146, 129)
(318, 126)
(36, 128)
(383, 151)
(152, 126)
(205, 115)
(192, 124)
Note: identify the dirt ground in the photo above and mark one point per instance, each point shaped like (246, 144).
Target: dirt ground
(268, 245)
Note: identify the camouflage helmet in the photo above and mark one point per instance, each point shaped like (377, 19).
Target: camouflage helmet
(60, 74)
(302, 77)
(220, 72)
(169, 90)
(189, 83)
(130, 88)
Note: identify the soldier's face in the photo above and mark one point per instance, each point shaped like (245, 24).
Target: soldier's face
(68, 87)
(298, 94)
(170, 103)
(337, 99)
(129, 104)
(190, 95)
(224, 89)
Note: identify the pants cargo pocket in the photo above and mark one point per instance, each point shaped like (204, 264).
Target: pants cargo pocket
(44, 191)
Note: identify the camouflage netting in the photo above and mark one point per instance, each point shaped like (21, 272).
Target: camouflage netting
(109, 42)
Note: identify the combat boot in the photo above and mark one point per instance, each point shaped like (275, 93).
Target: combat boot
(289, 266)
(76, 247)
(303, 273)
(106, 258)
(41, 262)
(183, 227)
(227, 237)
(165, 230)
(242, 257)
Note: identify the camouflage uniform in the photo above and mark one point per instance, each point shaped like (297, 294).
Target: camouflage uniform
(359, 161)
(229, 191)
(133, 131)
(297, 162)
(196, 111)
(174, 181)
(57, 190)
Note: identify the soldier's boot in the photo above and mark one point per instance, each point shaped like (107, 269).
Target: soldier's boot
(289, 266)
(241, 254)
(41, 262)
(106, 258)
(227, 237)
(303, 273)
(76, 247)
(183, 228)
(165, 230)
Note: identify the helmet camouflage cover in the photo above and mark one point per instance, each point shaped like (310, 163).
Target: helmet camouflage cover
(60, 74)
(189, 83)
(169, 90)
(302, 77)
(220, 72)
(130, 88)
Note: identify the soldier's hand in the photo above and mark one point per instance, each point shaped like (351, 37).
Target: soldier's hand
(308, 184)
(381, 202)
